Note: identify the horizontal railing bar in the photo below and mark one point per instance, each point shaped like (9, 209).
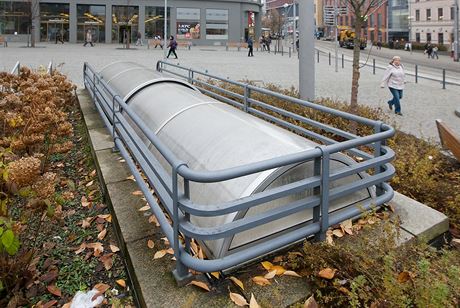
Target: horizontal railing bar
(247, 223)
(233, 94)
(250, 201)
(217, 96)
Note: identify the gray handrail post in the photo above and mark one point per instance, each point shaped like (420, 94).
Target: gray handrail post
(317, 192)
(115, 109)
(84, 73)
(317, 56)
(443, 78)
(289, 52)
(247, 94)
(329, 58)
(416, 73)
(324, 197)
(377, 153)
(343, 61)
(373, 66)
(190, 76)
(181, 273)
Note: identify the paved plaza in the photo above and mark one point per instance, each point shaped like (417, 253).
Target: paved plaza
(422, 103)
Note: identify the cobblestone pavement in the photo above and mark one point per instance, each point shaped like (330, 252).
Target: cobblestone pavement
(422, 103)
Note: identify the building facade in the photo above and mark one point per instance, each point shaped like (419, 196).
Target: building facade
(110, 21)
(398, 20)
(432, 21)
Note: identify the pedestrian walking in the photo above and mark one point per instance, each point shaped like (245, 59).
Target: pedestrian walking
(434, 53)
(394, 80)
(268, 41)
(172, 46)
(60, 36)
(251, 47)
(88, 39)
(139, 39)
(379, 45)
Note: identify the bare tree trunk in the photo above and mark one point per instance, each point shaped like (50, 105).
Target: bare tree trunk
(32, 34)
(356, 73)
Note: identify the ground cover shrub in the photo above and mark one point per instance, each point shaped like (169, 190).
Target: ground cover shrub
(50, 201)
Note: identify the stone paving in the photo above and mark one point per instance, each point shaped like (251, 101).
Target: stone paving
(422, 103)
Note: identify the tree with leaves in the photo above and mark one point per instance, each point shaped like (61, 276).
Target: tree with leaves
(361, 10)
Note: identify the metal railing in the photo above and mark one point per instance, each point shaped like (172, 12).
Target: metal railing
(17, 68)
(171, 178)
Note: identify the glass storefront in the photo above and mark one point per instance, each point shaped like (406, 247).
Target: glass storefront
(125, 23)
(188, 23)
(154, 21)
(92, 18)
(54, 22)
(14, 17)
(216, 24)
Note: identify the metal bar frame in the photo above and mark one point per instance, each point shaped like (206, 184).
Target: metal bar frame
(175, 200)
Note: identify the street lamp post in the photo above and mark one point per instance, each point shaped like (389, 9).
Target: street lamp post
(456, 29)
(166, 29)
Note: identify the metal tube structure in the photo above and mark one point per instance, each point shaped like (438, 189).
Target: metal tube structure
(336, 49)
(456, 30)
(306, 50)
(294, 35)
(165, 49)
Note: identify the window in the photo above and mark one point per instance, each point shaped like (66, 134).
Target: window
(188, 23)
(346, 20)
(417, 15)
(92, 18)
(428, 37)
(417, 37)
(216, 24)
(125, 22)
(440, 13)
(441, 38)
(371, 21)
(14, 17)
(155, 21)
(452, 13)
(379, 20)
(54, 21)
(428, 14)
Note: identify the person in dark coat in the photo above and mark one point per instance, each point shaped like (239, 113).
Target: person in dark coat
(172, 46)
(250, 47)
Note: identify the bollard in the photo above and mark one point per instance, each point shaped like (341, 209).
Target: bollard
(289, 52)
(443, 78)
(329, 58)
(416, 73)
(317, 52)
(282, 51)
(373, 66)
(343, 61)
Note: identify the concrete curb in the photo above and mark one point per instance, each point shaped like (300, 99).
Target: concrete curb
(153, 282)
(457, 112)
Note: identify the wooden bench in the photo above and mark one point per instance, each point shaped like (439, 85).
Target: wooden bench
(154, 42)
(237, 45)
(3, 41)
(449, 139)
(186, 44)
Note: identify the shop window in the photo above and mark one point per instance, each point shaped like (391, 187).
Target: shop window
(188, 23)
(91, 18)
(155, 20)
(14, 17)
(216, 24)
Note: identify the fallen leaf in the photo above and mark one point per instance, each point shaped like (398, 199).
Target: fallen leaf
(194, 246)
(153, 220)
(329, 237)
(344, 290)
(159, 254)
(131, 177)
(102, 234)
(310, 303)
(107, 261)
(122, 160)
(137, 193)
(54, 290)
(291, 273)
(84, 202)
(81, 248)
(97, 248)
(104, 216)
(278, 259)
(215, 275)
(267, 265)
(347, 226)
(144, 208)
(261, 281)
(101, 287)
(201, 254)
(279, 269)
(66, 305)
(337, 232)
(404, 276)
(200, 284)
(114, 248)
(253, 303)
(238, 299)
(270, 275)
(237, 282)
(150, 244)
(85, 223)
(121, 283)
(50, 304)
(165, 239)
(327, 273)
(89, 183)
(170, 251)
(93, 173)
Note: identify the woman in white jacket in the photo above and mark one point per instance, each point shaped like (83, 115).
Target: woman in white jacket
(394, 80)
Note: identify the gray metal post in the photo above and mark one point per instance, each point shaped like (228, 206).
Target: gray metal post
(343, 61)
(306, 50)
(444, 78)
(165, 35)
(294, 35)
(317, 53)
(336, 50)
(416, 73)
(456, 30)
(373, 66)
(329, 58)
(289, 52)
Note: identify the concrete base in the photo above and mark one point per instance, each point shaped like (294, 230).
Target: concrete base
(153, 281)
(457, 112)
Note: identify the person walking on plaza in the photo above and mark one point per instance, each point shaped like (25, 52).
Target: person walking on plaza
(172, 46)
(139, 38)
(434, 53)
(268, 41)
(379, 45)
(394, 80)
(250, 47)
(88, 39)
